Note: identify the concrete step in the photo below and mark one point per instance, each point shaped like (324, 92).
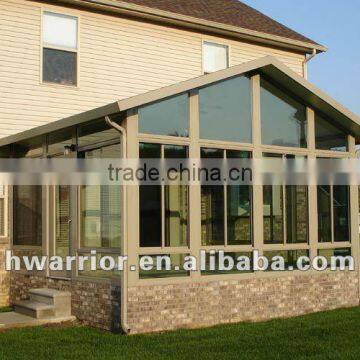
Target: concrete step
(61, 300)
(35, 309)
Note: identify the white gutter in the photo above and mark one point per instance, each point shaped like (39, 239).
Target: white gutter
(307, 60)
(124, 277)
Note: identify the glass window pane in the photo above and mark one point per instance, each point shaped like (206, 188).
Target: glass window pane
(58, 141)
(341, 213)
(239, 207)
(273, 214)
(2, 217)
(176, 203)
(167, 117)
(59, 67)
(62, 217)
(329, 137)
(225, 111)
(329, 253)
(150, 203)
(215, 57)
(60, 30)
(296, 214)
(290, 257)
(212, 206)
(27, 214)
(283, 119)
(324, 213)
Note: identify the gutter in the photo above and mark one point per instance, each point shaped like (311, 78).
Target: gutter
(124, 277)
(153, 14)
(306, 61)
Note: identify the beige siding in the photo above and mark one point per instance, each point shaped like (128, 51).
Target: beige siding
(118, 58)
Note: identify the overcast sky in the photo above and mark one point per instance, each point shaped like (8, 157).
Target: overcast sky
(335, 24)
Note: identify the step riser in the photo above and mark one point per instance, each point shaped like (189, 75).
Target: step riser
(42, 299)
(37, 314)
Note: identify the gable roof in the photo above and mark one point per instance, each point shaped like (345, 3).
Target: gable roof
(227, 17)
(269, 66)
(230, 12)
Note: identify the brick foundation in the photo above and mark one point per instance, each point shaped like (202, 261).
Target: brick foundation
(4, 276)
(168, 307)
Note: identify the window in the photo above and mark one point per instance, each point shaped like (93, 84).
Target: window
(215, 57)
(163, 208)
(328, 136)
(290, 257)
(283, 119)
(100, 207)
(60, 47)
(226, 211)
(285, 210)
(27, 215)
(167, 117)
(333, 213)
(225, 111)
(3, 216)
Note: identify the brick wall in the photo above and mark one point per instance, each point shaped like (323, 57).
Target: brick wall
(168, 307)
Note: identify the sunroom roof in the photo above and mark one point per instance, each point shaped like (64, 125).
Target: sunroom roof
(269, 66)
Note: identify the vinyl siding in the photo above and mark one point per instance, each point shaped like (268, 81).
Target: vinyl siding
(119, 58)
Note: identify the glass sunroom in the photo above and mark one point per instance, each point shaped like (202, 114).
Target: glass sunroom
(255, 110)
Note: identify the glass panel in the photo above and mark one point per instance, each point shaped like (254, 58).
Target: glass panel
(215, 57)
(212, 207)
(296, 214)
(225, 111)
(99, 273)
(167, 117)
(176, 204)
(341, 213)
(235, 256)
(58, 141)
(59, 67)
(60, 30)
(96, 132)
(290, 257)
(62, 218)
(177, 261)
(101, 207)
(324, 213)
(328, 136)
(328, 253)
(150, 203)
(283, 119)
(273, 214)
(27, 215)
(239, 207)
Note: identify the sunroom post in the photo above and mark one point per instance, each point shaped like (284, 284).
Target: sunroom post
(312, 201)
(194, 190)
(354, 212)
(132, 199)
(258, 221)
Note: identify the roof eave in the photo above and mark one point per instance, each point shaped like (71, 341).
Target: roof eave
(198, 24)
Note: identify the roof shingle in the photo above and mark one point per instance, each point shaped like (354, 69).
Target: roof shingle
(229, 12)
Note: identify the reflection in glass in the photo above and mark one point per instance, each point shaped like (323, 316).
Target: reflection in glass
(273, 214)
(166, 117)
(62, 218)
(341, 213)
(328, 136)
(283, 119)
(212, 207)
(225, 111)
(324, 213)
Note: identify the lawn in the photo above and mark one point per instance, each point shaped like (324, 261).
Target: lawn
(329, 335)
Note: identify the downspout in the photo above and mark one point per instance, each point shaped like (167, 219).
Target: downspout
(124, 277)
(306, 61)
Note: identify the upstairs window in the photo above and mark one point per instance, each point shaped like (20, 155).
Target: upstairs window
(60, 49)
(215, 57)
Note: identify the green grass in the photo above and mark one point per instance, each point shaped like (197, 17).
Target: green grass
(330, 335)
(6, 309)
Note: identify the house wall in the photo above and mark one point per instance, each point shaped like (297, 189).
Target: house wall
(119, 58)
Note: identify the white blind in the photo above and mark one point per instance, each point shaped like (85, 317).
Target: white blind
(60, 30)
(215, 57)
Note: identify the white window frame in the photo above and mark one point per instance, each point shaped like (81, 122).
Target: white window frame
(44, 45)
(211, 42)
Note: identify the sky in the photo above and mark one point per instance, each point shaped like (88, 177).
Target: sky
(334, 24)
